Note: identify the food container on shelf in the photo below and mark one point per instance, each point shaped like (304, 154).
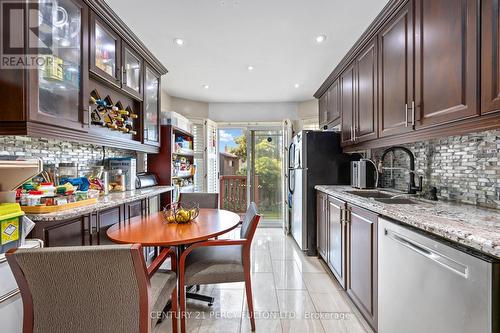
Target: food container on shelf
(34, 198)
(117, 180)
(47, 188)
(68, 170)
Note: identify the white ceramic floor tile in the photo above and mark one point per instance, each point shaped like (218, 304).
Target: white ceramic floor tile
(309, 264)
(287, 275)
(263, 324)
(302, 326)
(332, 301)
(319, 282)
(285, 283)
(295, 303)
(220, 325)
(264, 292)
(349, 324)
(261, 261)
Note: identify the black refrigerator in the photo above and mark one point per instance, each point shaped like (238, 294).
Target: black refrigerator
(315, 158)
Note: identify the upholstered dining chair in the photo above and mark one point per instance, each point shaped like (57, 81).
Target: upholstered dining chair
(204, 200)
(93, 289)
(220, 261)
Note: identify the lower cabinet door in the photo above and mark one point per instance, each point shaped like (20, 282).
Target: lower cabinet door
(65, 233)
(362, 275)
(321, 220)
(105, 219)
(134, 209)
(337, 239)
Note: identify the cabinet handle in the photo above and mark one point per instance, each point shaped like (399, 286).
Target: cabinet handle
(413, 113)
(406, 114)
(124, 75)
(89, 112)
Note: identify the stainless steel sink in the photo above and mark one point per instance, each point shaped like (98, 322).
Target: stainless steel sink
(396, 201)
(371, 194)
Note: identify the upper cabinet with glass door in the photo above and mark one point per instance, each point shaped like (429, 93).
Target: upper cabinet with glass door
(105, 51)
(57, 100)
(131, 72)
(151, 107)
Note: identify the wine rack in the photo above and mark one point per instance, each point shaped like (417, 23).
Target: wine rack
(111, 115)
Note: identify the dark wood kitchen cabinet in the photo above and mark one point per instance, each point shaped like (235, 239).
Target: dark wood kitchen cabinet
(94, 54)
(322, 224)
(366, 113)
(362, 262)
(337, 239)
(347, 104)
(490, 64)
(395, 42)
(51, 94)
(323, 110)
(151, 118)
(437, 74)
(62, 233)
(333, 104)
(446, 58)
(105, 51)
(133, 209)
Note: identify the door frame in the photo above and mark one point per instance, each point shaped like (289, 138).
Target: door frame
(248, 129)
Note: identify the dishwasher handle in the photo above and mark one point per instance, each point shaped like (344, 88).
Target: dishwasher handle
(440, 259)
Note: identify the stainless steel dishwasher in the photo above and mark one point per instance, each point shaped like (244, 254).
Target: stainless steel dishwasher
(426, 285)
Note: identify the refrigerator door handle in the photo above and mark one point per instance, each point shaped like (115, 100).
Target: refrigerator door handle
(291, 152)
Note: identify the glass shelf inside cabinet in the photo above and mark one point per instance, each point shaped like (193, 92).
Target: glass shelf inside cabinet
(59, 77)
(105, 50)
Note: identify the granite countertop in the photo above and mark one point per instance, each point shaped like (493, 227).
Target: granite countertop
(108, 201)
(476, 227)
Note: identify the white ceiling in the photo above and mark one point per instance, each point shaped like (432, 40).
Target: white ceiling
(223, 37)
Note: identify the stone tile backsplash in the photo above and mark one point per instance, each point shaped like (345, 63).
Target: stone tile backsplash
(54, 151)
(462, 168)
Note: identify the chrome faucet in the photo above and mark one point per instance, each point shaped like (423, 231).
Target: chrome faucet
(412, 188)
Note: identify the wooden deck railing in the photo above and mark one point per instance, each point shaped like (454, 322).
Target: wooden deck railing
(233, 193)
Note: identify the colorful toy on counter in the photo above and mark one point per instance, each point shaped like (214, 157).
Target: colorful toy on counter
(82, 183)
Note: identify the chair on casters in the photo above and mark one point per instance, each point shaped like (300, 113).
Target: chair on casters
(220, 261)
(93, 289)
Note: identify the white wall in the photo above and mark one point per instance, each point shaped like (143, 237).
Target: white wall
(252, 112)
(187, 108)
(308, 115)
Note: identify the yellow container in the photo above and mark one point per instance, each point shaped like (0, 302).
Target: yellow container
(10, 226)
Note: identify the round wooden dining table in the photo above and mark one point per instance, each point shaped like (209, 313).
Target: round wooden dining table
(154, 230)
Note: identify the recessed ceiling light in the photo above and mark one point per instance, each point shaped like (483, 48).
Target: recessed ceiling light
(206, 86)
(320, 39)
(250, 68)
(179, 41)
(296, 85)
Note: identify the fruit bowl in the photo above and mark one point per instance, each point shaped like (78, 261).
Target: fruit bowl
(177, 213)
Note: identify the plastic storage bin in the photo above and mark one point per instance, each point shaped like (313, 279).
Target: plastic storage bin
(10, 226)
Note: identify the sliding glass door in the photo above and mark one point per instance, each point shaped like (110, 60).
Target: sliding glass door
(251, 169)
(265, 174)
